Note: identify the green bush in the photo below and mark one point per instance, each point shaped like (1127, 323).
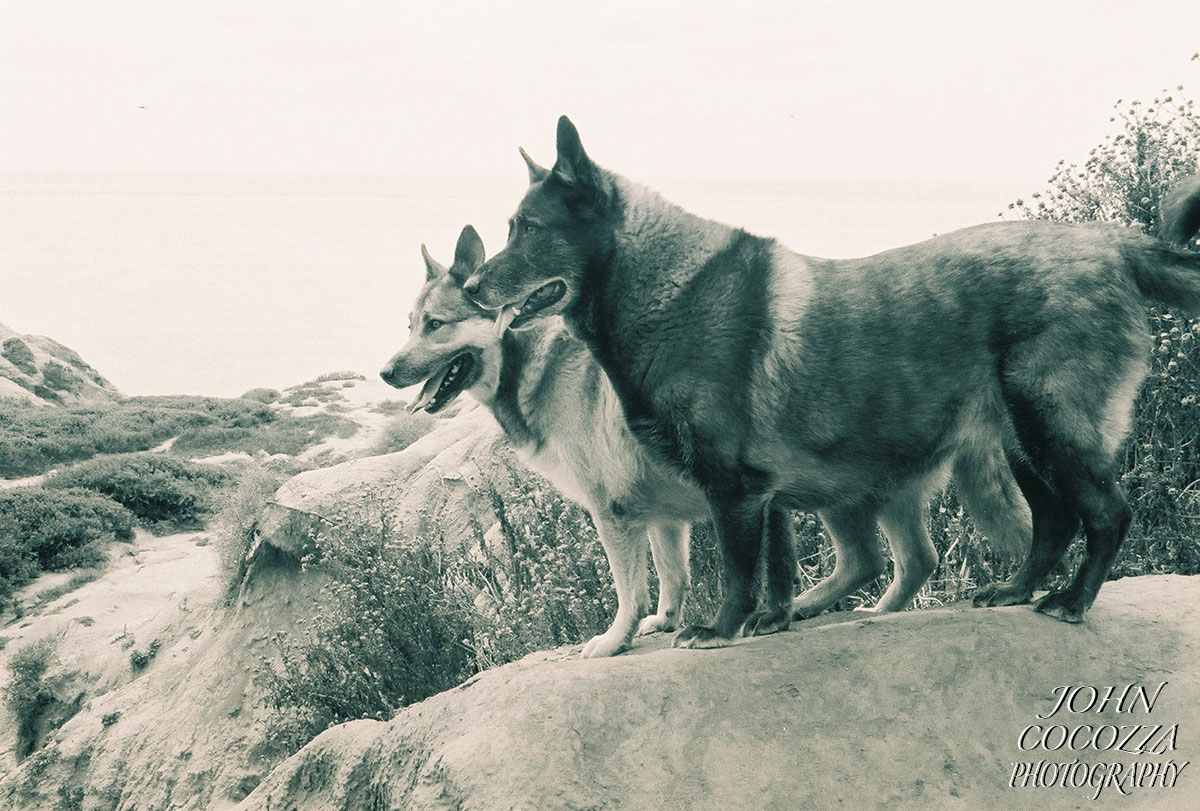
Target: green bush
(59, 377)
(18, 353)
(54, 529)
(339, 377)
(140, 660)
(262, 395)
(34, 439)
(287, 435)
(237, 511)
(18, 563)
(154, 487)
(310, 395)
(402, 431)
(28, 694)
(388, 633)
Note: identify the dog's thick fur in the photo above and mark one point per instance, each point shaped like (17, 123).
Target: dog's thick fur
(780, 381)
(559, 410)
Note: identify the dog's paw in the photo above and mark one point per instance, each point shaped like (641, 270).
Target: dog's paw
(998, 594)
(805, 612)
(1062, 605)
(606, 644)
(700, 636)
(761, 623)
(656, 623)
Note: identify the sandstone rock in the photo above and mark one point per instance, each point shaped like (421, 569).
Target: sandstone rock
(435, 487)
(921, 709)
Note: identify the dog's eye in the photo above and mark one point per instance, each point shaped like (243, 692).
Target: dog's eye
(434, 324)
(529, 227)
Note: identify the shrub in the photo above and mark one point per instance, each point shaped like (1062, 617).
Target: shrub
(59, 377)
(34, 439)
(28, 694)
(388, 632)
(390, 407)
(287, 435)
(546, 583)
(237, 512)
(404, 618)
(139, 660)
(402, 431)
(18, 563)
(155, 487)
(18, 353)
(338, 377)
(310, 395)
(262, 395)
(56, 529)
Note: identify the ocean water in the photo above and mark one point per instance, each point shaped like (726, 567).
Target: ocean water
(215, 284)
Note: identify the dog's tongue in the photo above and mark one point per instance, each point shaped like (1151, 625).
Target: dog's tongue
(507, 314)
(428, 392)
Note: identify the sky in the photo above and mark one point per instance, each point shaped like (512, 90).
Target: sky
(921, 90)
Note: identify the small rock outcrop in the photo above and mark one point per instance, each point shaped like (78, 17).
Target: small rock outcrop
(43, 371)
(436, 487)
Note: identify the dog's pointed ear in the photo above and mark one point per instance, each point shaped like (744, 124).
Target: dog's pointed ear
(573, 166)
(537, 173)
(468, 254)
(433, 268)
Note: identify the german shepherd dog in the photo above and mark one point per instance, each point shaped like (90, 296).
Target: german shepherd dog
(559, 410)
(779, 381)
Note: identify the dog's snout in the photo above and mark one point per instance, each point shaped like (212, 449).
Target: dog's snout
(388, 373)
(472, 284)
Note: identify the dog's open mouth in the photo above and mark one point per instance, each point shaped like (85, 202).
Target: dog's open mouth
(441, 389)
(543, 298)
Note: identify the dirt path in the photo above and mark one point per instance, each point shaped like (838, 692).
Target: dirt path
(152, 594)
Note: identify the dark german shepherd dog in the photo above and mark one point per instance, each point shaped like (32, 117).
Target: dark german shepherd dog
(780, 381)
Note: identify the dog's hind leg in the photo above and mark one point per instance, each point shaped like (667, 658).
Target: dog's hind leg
(625, 545)
(776, 613)
(1054, 526)
(904, 521)
(1106, 517)
(858, 560)
(669, 544)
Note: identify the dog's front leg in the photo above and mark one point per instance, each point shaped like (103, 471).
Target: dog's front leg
(776, 612)
(625, 546)
(669, 545)
(739, 517)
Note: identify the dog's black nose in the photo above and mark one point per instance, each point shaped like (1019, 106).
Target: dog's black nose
(472, 285)
(389, 375)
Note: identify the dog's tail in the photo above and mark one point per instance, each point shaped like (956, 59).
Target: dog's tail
(988, 490)
(1166, 273)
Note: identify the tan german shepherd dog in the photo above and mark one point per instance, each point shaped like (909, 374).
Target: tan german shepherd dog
(562, 415)
(778, 381)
